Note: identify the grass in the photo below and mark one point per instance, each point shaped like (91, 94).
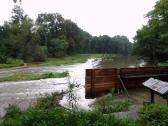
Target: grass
(163, 63)
(12, 63)
(154, 115)
(49, 101)
(109, 104)
(30, 76)
(48, 112)
(67, 60)
(78, 58)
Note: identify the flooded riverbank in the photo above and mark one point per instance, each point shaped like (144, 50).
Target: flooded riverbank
(25, 93)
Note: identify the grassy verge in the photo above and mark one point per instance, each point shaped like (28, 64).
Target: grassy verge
(163, 63)
(109, 104)
(12, 63)
(48, 112)
(67, 60)
(78, 58)
(30, 76)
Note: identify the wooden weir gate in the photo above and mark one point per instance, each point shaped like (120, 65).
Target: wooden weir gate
(101, 81)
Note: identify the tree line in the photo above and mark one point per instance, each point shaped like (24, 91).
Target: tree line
(50, 35)
(152, 39)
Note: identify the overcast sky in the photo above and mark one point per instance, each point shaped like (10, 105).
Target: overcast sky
(98, 17)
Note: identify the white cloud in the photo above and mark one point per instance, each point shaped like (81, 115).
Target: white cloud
(98, 17)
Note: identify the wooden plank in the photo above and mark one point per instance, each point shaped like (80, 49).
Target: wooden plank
(88, 80)
(100, 81)
(87, 92)
(88, 72)
(105, 83)
(105, 72)
(104, 79)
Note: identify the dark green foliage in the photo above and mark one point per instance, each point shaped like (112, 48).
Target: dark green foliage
(12, 112)
(152, 40)
(109, 104)
(3, 44)
(48, 112)
(15, 1)
(49, 101)
(3, 55)
(115, 45)
(51, 117)
(57, 47)
(154, 115)
(55, 75)
(13, 116)
(12, 63)
(39, 54)
(21, 38)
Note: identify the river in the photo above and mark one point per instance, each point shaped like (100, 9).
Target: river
(25, 93)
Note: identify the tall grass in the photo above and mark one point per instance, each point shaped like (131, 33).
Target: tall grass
(58, 117)
(30, 76)
(12, 63)
(154, 115)
(78, 58)
(109, 104)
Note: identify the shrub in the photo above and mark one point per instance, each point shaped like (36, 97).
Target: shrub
(57, 47)
(50, 101)
(3, 58)
(39, 54)
(12, 117)
(12, 63)
(109, 104)
(48, 112)
(154, 115)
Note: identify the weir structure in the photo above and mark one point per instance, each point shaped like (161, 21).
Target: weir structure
(102, 81)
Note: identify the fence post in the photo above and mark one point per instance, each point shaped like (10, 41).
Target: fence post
(91, 84)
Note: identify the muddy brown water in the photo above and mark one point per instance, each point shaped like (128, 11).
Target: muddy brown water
(25, 93)
(122, 62)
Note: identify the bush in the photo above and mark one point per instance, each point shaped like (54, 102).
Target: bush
(50, 101)
(57, 47)
(48, 112)
(12, 117)
(52, 117)
(12, 63)
(3, 58)
(109, 104)
(39, 54)
(154, 115)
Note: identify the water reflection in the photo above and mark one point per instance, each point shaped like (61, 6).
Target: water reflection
(121, 62)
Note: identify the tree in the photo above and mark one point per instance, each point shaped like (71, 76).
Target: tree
(15, 1)
(50, 26)
(105, 44)
(152, 40)
(57, 47)
(54, 36)
(23, 39)
(18, 15)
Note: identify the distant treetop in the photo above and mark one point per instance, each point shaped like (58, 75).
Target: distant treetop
(16, 1)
